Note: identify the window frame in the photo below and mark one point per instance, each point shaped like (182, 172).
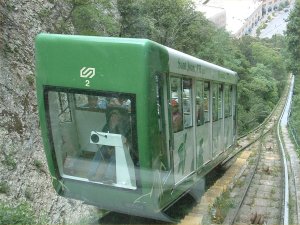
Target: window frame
(190, 103)
(179, 102)
(133, 114)
(228, 90)
(207, 101)
(199, 103)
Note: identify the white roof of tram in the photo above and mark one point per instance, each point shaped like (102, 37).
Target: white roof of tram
(181, 63)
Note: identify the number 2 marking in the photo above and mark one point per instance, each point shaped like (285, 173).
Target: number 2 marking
(87, 83)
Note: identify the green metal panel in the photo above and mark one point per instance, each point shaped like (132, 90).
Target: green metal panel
(119, 65)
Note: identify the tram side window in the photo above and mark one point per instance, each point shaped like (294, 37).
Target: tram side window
(228, 100)
(215, 102)
(220, 101)
(199, 103)
(187, 103)
(206, 102)
(176, 103)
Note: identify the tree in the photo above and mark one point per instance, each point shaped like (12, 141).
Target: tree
(257, 96)
(272, 59)
(94, 17)
(263, 84)
(132, 22)
(170, 19)
(293, 38)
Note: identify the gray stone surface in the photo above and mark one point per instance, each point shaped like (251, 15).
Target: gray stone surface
(22, 160)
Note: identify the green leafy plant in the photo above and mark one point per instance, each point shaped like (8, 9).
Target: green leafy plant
(4, 187)
(221, 207)
(20, 214)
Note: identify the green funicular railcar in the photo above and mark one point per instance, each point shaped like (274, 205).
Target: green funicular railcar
(130, 125)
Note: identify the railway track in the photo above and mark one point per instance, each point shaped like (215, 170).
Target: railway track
(252, 190)
(259, 198)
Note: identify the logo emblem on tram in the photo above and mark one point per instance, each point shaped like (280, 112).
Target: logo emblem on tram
(87, 72)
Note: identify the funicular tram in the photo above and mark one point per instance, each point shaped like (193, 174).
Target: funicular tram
(129, 125)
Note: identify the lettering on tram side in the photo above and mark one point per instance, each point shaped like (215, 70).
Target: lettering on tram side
(188, 66)
(191, 67)
(182, 65)
(223, 76)
(198, 68)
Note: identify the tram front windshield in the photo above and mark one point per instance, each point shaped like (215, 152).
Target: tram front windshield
(92, 136)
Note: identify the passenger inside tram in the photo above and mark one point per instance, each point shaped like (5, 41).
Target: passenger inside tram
(78, 115)
(92, 102)
(104, 162)
(176, 116)
(118, 122)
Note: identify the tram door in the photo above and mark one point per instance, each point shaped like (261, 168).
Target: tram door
(217, 116)
(228, 116)
(182, 127)
(203, 125)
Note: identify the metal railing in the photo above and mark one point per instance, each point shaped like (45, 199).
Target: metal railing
(294, 134)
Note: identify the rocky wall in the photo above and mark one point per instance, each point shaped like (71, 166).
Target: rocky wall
(24, 175)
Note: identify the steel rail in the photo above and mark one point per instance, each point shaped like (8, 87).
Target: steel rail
(285, 209)
(286, 177)
(255, 129)
(244, 194)
(260, 138)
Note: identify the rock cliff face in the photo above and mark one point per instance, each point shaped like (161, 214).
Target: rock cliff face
(24, 174)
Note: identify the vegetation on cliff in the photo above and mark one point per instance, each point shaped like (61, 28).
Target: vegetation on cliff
(293, 42)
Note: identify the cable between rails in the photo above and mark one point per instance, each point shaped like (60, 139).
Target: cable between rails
(251, 176)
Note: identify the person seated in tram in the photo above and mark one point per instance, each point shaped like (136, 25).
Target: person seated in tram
(176, 116)
(94, 103)
(199, 113)
(104, 161)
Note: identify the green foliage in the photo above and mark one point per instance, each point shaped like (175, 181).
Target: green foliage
(85, 18)
(94, 18)
(265, 54)
(10, 161)
(38, 164)
(218, 47)
(4, 188)
(28, 194)
(295, 116)
(132, 23)
(263, 81)
(293, 46)
(170, 19)
(21, 214)
(221, 207)
(30, 79)
(293, 38)
(44, 14)
(263, 84)
(175, 23)
(81, 2)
